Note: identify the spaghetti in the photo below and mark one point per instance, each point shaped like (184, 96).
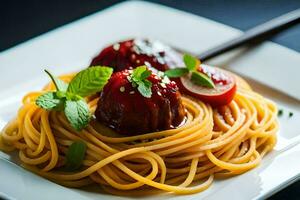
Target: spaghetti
(213, 143)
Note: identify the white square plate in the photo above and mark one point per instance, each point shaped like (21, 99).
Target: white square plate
(271, 69)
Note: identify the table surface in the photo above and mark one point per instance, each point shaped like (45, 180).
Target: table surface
(23, 20)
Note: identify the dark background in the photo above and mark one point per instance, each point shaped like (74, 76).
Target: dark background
(22, 20)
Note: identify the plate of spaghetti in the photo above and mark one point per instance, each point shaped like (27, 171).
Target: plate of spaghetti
(140, 119)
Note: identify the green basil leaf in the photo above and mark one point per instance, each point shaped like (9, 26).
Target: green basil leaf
(145, 88)
(177, 72)
(59, 84)
(75, 155)
(50, 101)
(90, 81)
(201, 79)
(190, 62)
(77, 113)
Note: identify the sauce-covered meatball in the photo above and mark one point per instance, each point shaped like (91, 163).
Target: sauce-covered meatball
(133, 53)
(122, 107)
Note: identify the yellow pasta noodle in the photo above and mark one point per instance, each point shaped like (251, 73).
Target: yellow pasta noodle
(213, 143)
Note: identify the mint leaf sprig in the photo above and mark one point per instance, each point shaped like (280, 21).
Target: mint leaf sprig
(75, 155)
(138, 78)
(191, 65)
(60, 85)
(70, 97)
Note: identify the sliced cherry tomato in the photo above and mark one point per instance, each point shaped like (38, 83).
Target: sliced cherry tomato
(222, 94)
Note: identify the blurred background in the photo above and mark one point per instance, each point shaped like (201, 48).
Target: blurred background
(23, 20)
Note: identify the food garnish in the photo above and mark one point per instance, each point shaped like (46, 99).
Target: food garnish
(210, 84)
(75, 155)
(280, 112)
(191, 67)
(138, 78)
(70, 97)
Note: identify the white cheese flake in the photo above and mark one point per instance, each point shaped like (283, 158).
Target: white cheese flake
(116, 47)
(122, 89)
(163, 85)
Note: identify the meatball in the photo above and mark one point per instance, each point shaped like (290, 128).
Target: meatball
(133, 53)
(125, 110)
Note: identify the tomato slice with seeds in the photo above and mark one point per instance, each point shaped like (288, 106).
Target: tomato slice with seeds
(222, 94)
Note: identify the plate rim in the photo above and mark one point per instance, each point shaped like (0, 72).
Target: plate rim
(281, 186)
